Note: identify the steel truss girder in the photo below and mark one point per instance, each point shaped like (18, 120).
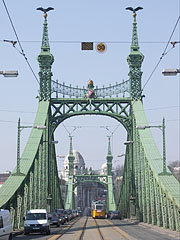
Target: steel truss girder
(78, 179)
(39, 180)
(116, 108)
(156, 196)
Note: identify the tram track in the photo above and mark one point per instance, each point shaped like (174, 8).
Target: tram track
(64, 230)
(122, 234)
(83, 230)
(100, 233)
(101, 227)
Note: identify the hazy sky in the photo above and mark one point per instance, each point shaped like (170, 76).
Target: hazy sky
(70, 23)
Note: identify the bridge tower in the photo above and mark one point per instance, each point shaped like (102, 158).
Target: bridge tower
(111, 206)
(135, 59)
(70, 201)
(45, 59)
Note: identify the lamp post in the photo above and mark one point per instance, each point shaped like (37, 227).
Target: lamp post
(162, 128)
(132, 198)
(170, 72)
(9, 73)
(20, 128)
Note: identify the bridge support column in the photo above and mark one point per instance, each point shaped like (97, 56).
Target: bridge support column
(132, 208)
(70, 195)
(111, 203)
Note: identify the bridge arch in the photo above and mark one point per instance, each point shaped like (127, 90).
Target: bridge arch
(119, 110)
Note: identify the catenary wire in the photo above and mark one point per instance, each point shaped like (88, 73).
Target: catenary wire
(163, 54)
(78, 41)
(22, 51)
(86, 126)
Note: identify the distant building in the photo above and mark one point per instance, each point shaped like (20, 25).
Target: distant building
(3, 177)
(85, 192)
(79, 165)
(79, 168)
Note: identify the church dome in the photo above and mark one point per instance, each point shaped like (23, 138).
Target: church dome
(78, 160)
(104, 168)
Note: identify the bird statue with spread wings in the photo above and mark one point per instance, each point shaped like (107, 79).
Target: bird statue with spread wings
(45, 10)
(134, 10)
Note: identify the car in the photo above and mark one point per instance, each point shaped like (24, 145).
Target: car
(61, 214)
(37, 220)
(69, 214)
(5, 225)
(74, 213)
(79, 212)
(66, 216)
(108, 214)
(115, 215)
(55, 219)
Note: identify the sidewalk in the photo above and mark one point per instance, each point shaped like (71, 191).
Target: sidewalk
(155, 228)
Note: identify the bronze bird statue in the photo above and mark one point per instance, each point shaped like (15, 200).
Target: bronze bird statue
(45, 10)
(134, 10)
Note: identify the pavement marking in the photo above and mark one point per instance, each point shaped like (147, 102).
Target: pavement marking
(54, 237)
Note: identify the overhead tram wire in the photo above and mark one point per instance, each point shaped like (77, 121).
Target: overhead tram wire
(163, 54)
(78, 41)
(22, 51)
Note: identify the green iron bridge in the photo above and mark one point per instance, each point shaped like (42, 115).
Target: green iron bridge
(149, 193)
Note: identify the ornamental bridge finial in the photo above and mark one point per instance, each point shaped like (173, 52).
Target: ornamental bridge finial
(45, 59)
(134, 10)
(45, 10)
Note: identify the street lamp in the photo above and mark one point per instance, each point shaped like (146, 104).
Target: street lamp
(53, 142)
(9, 73)
(121, 155)
(170, 72)
(128, 142)
(60, 156)
(162, 128)
(20, 128)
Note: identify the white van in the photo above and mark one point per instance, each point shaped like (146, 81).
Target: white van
(5, 225)
(37, 221)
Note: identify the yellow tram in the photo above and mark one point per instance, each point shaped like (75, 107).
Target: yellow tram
(98, 209)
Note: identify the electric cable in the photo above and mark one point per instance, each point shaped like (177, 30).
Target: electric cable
(22, 51)
(163, 54)
(78, 41)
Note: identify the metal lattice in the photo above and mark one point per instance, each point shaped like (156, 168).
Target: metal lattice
(65, 91)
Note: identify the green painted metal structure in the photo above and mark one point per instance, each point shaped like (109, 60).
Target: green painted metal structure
(149, 191)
